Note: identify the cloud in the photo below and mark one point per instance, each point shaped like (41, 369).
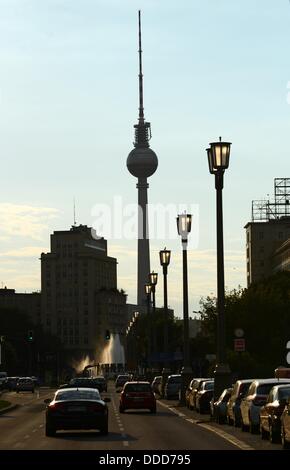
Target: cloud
(24, 220)
(24, 252)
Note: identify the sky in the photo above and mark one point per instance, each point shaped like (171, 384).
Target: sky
(68, 103)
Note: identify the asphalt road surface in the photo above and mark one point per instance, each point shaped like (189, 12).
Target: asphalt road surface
(172, 428)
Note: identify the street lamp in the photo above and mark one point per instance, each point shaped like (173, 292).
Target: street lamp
(148, 290)
(184, 228)
(153, 278)
(218, 160)
(164, 256)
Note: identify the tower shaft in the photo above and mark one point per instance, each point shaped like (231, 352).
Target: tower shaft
(143, 240)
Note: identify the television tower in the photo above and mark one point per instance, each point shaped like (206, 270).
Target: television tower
(142, 162)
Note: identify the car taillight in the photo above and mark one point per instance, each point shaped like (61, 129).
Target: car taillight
(57, 407)
(95, 407)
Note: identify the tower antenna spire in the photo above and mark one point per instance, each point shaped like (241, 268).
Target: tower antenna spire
(75, 212)
(141, 107)
(142, 129)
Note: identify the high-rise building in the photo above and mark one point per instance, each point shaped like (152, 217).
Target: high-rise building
(267, 234)
(142, 162)
(80, 299)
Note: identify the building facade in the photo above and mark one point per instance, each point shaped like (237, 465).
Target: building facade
(263, 240)
(76, 277)
(29, 303)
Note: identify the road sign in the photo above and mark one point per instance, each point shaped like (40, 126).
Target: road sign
(239, 333)
(239, 344)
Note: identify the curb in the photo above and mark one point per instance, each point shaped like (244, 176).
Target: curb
(8, 408)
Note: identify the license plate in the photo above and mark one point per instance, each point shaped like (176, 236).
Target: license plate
(76, 408)
(138, 398)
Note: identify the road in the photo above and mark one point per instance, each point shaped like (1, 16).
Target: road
(172, 428)
(23, 429)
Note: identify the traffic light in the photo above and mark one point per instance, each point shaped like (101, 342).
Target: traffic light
(107, 335)
(30, 336)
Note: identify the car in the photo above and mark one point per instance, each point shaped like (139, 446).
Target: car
(252, 402)
(285, 426)
(194, 390)
(203, 396)
(25, 384)
(219, 407)
(155, 383)
(121, 380)
(172, 386)
(76, 408)
(270, 413)
(3, 378)
(137, 395)
(100, 382)
(11, 383)
(240, 389)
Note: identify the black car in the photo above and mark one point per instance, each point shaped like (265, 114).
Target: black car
(76, 408)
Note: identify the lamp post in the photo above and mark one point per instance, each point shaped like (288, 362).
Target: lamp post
(218, 160)
(184, 228)
(148, 290)
(153, 278)
(164, 256)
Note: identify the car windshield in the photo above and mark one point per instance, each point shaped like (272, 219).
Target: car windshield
(283, 393)
(77, 395)
(138, 388)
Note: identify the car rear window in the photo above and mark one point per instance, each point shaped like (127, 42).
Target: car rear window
(244, 387)
(264, 389)
(208, 385)
(77, 395)
(174, 380)
(284, 393)
(138, 388)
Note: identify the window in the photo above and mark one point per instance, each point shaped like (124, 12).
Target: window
(261, 235)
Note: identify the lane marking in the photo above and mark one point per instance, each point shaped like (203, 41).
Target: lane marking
(228, 437)
(33, 430)
(224, 435)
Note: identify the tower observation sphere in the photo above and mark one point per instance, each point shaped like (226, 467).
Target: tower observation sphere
(142, 162)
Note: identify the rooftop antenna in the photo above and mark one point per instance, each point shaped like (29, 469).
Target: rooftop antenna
(142, 129)
(75, 212)
(141, 107)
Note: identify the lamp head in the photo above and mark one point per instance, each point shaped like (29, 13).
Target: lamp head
(164, 256)
(219, 155)
(153, 277)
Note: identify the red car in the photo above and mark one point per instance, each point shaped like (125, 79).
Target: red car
(136, 396)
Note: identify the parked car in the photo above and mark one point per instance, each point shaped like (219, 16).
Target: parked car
(270, 413)
(285, 426)
(252, 402)
(240, 389)
(25, 384)
(219, 407)
(194, 390)
(100, 382)
(172, 386)
(121, 380)
(137, 395)
(11, 383)
(156, 381)
(76, 408)
(3, 378)
(203, 396)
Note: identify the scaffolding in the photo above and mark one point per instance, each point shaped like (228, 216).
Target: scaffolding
(265, 209)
